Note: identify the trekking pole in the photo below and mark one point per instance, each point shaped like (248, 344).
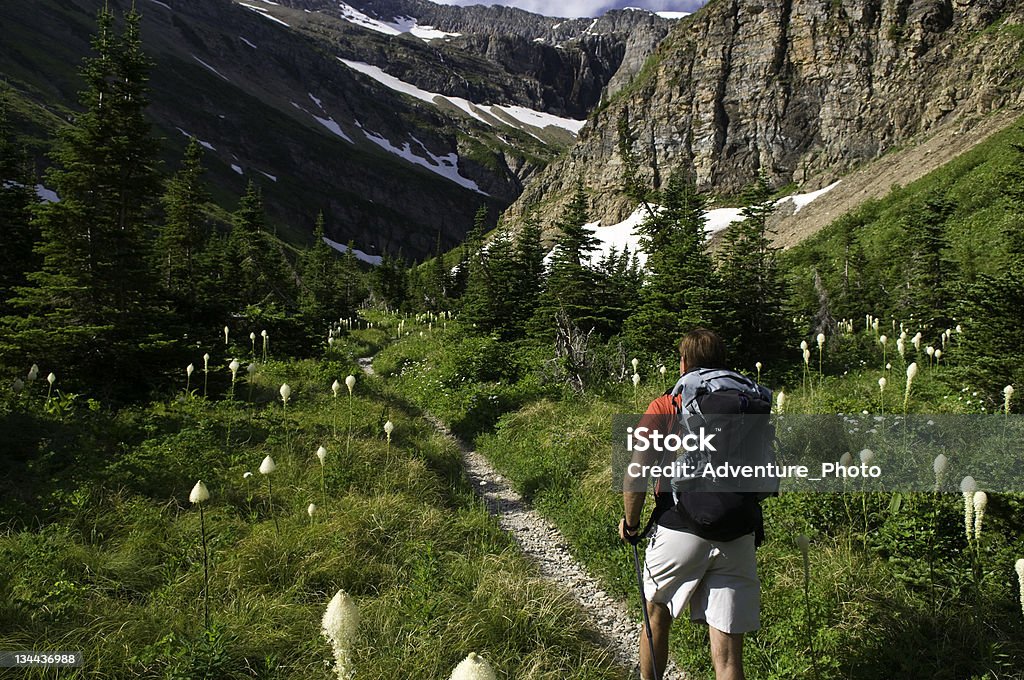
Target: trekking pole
(643, 606)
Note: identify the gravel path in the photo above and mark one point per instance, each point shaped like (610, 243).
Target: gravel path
(545, 545)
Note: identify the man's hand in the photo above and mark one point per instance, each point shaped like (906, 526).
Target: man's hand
(629, 535)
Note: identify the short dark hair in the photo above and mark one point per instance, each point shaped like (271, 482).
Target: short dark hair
(702, 348)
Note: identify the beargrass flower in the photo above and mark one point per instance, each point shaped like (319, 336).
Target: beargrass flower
(350, 383)
(1007, 395)
(866, 456)
(33, 373)
(473, 667)
(246, 475)
(321, 454)
(821, 340)
(939, 467)
(310, 509)
(198, 495)
(968, 486)
(18, 385)
(846, 460)
(980, 501)
(661, 370)
(335, 387)
(340, 625)
(780, 401)
(286, 393)
(881, 384)
(636, 379)
(389, 427)
(635, 362)
(807, 357)
(267, 466)
(803, 345)
(226, 335)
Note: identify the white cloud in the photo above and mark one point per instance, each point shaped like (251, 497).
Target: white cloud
(584, 8)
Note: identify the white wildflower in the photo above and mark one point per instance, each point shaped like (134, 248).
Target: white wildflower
(350, 383)
(199, 493)
(267, 466)
(968, 486)
(339, 625)
(980, 503)
(321, 453)
(473, 667)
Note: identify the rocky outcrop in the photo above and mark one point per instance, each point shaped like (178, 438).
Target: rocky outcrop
(802, 90)
(503, 55)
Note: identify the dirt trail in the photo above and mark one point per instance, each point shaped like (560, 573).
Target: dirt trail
(545, 545)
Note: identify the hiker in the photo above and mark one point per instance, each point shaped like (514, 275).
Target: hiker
(707, 563)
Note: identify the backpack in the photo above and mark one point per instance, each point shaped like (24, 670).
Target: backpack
(737, 410)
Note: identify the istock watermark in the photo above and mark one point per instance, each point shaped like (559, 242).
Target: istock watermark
(818, 453)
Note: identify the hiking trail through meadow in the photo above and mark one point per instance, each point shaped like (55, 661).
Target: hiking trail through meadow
(544, 544)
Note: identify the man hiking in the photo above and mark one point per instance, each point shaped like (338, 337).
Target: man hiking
(701, 545)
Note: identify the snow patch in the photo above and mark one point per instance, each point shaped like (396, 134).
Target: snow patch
(237, 168)
(397, 26)
(205, 145)
(48, 195)
(316, 101)
(800, 200)
(247, 43)
(272, 178)
(673, 15)
(375, 260)
(520, 114)
(208, 67)
(333, 127)
(162, 4)
(446, 166)
(624, 234)
(264, 13)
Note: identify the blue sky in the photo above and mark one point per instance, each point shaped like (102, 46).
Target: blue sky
(584, 8)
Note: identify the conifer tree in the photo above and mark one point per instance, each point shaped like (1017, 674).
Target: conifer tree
(930, 270)
(185, 233)
(321, 299)
(681, 289)
(529, 279)
(17, 198)
(256, 270)
(352, 281)
(572, 284)
(90, 305)
(758, 326)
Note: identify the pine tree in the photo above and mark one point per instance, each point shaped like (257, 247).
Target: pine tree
(681, 289)
(757, 324)
(256, 271)
(185, 233)
(529, 277)
(572, 284)
(17, 199)
(352, 280)
(437, 290)
(930, 270)
(321, 299)
(90, 305)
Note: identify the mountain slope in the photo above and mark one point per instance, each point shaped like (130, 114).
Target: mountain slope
(261, 84)
(803, 90)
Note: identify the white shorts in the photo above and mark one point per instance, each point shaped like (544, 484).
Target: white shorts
(718, 579)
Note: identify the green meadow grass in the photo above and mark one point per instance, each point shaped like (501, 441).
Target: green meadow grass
(102, 551)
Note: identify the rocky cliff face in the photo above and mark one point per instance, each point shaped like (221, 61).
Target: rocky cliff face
(505, 55)
(802, 90)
